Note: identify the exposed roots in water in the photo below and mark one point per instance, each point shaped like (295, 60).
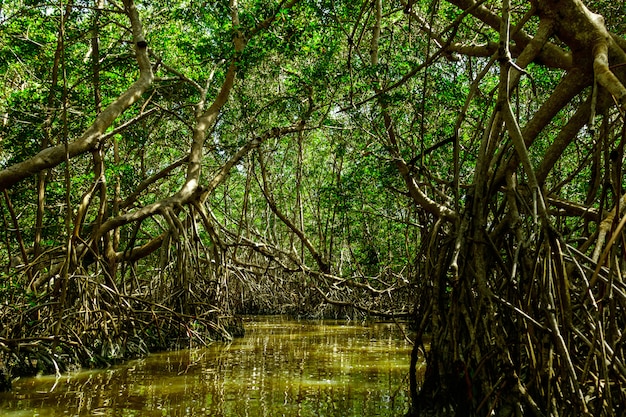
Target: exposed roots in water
(529, 327)
(186, 294)
(102, 322)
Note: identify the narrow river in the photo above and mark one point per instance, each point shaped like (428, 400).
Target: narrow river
(281, 367)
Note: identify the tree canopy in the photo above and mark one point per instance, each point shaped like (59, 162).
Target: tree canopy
(454, 163)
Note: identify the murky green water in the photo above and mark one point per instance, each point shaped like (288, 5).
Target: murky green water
(280, 368)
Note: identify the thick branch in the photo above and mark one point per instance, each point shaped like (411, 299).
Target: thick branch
(550, 55)
(91, 138)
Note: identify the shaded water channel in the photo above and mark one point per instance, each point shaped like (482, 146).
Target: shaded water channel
(281, 367)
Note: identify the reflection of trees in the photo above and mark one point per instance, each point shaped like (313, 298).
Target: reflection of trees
(292, 367)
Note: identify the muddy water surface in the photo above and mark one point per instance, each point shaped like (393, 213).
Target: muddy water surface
(281, 367)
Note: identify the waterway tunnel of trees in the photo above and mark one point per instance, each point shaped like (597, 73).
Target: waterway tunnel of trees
(166, 167)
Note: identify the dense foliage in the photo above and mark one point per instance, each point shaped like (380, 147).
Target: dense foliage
(167, 167)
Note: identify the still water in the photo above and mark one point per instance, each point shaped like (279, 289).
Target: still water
(281, 367)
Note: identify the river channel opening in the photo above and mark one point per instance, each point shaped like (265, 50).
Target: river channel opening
(281, 367)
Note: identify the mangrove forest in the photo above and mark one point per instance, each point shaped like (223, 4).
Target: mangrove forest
(454, 168)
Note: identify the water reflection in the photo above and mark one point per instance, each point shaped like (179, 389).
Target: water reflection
(281, 368)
